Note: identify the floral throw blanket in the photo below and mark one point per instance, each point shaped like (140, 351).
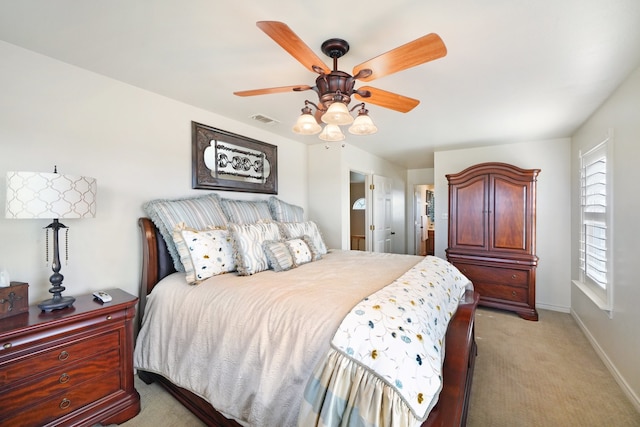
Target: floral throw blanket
(385, 364)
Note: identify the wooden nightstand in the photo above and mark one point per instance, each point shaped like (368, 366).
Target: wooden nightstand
(69, 367)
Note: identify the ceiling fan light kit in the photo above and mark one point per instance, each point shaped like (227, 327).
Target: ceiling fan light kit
(331, 133)
(337, 114)
(334, 87)
(306, 124)
(363, 125)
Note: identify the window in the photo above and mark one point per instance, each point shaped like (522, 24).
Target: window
(360, 204)
(595, 262)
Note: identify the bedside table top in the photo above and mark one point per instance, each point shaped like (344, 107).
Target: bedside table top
(85, 305)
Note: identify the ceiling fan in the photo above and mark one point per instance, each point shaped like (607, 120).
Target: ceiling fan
(335, 86)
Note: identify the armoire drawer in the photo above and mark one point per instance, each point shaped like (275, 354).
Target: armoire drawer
(502, 292)
(494, 275)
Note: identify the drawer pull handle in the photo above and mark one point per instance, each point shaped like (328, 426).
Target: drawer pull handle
(64, 378)
(108, 317)
(513, 293)
(513, 276)
(63, 356)
(65, 403)
(6, 346)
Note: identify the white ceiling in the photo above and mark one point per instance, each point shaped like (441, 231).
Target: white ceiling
(516, 70)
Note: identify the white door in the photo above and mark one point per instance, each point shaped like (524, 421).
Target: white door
(381, 214)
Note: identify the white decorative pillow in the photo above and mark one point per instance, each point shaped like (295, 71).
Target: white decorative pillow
(292, 230)
(247, 244)
(285, 212)
(204, 253)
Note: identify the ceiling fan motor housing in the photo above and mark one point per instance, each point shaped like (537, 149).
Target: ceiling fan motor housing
(332, 84)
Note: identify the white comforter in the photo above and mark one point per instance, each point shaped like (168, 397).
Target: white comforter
(249, 344)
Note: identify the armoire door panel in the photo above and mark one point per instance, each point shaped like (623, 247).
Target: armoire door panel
(470, 215)
(509, 214)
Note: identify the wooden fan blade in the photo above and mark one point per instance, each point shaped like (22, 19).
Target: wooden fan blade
(289, 41)
(386, 99)
(425, 49)
(266, 91)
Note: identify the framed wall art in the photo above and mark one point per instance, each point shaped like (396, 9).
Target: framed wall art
(222, 160)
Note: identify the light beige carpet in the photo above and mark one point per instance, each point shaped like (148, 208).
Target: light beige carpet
(528, 374)
(545, 373)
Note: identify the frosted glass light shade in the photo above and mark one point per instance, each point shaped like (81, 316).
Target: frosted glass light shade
(337, 114)
(363, 125)
(50, 195)
(306, 125)
(331, 133)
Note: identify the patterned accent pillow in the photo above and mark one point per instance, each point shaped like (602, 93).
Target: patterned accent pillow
(196, 212)
(299, 251)
(285, 212)
(292, 230)
(204, 253)
(246, 212)
(247, 245)
(315, 253)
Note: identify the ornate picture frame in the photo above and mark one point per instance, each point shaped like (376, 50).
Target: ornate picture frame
(223, 160)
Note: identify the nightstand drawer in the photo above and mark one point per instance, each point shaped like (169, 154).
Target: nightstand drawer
(57, 381)
(56, 357)
(62, 404)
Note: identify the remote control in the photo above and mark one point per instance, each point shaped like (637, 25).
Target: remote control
(102, 296)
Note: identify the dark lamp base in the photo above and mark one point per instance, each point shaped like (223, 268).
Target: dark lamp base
(56, 303)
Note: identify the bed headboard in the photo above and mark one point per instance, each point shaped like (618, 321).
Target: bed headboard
(156, 260)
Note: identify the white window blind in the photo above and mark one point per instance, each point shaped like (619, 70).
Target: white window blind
(594, 224)
(596, 220)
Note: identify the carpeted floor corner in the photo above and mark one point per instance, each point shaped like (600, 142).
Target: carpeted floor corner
(545, 373)
(528, 374)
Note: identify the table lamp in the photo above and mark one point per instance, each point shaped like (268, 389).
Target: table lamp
(38, 195)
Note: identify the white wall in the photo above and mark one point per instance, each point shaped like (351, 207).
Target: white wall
(135, 143)
(553, 239)
(329, 167)
(616, 339)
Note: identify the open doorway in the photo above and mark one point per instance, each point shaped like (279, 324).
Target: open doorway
(358, 211)
(424, 219)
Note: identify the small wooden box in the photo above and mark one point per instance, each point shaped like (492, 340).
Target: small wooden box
(14, 299)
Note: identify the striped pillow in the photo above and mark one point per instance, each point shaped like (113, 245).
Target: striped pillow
(196, 212)
(247, 245)
(278, 255)
(292, 230)
(246, 212)
(285, 212)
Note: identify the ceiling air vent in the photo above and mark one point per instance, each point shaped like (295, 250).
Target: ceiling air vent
(264, 119)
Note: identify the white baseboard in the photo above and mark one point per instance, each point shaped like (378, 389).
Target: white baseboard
(634, 398)
(561, 309)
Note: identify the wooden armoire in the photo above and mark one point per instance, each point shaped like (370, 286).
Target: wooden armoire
(492, 234)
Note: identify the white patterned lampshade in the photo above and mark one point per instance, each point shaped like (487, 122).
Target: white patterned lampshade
(50, 195)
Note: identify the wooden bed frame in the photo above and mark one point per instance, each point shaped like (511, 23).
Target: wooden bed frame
(451, 409)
